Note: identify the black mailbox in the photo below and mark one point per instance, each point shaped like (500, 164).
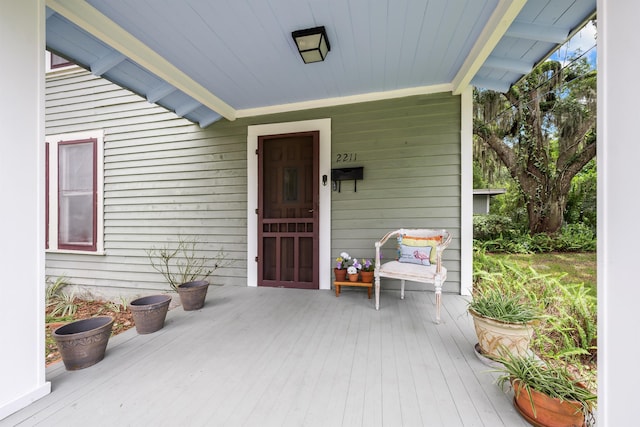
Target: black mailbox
(346, 174)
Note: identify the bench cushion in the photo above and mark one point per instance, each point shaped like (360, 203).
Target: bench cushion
(413, 272)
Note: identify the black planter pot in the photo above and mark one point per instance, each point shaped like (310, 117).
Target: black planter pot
(192, 294)
(149, 312)
(82, 343)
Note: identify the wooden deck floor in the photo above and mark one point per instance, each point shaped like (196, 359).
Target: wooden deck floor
(279, 357)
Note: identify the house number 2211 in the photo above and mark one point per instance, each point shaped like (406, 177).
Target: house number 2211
(346, 157)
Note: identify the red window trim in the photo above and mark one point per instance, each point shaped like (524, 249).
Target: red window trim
(93, 247)
(60, 64)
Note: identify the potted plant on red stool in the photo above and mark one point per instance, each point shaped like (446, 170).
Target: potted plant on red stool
(340, 270)
(366, 272)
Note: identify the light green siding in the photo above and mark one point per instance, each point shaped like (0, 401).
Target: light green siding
(165, 176)
(410, 151)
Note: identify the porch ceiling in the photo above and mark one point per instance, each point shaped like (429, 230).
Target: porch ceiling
(206, 60)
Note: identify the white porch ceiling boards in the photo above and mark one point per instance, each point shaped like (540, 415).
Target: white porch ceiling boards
(209, 59)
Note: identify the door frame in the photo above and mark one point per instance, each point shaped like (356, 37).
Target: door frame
(323, 126)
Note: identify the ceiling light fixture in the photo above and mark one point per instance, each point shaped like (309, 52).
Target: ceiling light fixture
(312, 44)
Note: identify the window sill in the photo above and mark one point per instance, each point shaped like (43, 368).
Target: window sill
(76, 252)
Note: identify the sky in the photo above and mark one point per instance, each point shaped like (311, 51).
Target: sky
(584, 40)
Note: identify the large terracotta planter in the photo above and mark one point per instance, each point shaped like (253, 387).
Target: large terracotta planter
(192, 294)
(547, 411)
(82, 343)
(341, 274)
(495, 336)
(149, 312)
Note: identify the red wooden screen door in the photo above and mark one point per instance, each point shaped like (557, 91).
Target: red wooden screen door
(288, 210)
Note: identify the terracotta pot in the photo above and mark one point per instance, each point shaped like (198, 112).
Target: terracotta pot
(353, 277)
(192, 294)
(149, 312)
(547, 411)
(366, 276)
(82, 343)
(341, 274)
(494, 336)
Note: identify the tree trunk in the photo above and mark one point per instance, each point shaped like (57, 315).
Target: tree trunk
(545, 212)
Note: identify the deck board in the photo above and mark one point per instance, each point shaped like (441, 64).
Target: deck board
(278, 357)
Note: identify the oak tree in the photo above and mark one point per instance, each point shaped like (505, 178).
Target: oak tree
(543, 131)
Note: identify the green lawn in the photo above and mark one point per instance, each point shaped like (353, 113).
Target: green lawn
(573, 267)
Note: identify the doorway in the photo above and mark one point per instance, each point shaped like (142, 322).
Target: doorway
(288, 201)
(254, 132)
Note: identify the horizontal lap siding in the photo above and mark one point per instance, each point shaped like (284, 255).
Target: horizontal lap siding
(165, 176)
(410, 151)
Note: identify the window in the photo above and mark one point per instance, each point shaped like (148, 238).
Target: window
(74, 192)
(59, 62)
(55, 62)
(77, 194)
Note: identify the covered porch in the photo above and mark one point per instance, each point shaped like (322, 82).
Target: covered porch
(22, 259)
(276, 357)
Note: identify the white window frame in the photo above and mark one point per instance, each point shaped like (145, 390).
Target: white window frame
(53, 141)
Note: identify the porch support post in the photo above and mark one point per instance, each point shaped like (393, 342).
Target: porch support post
(618, 207)
(22, 371)
(466, 191)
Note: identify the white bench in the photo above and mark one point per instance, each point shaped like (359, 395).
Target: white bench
(435, 273)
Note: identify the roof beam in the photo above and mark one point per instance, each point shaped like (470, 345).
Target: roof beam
(187, 107)
(106, 63)
(95, 23)
(508, 64)
(500, 20)
(157, 93)
(210, 118)
(543, 33)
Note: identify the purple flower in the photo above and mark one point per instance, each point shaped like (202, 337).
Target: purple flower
(368, 265)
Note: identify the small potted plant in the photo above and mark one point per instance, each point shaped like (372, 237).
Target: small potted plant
(366, 272)
(502, 321)
(545, 394)
(352, 272)
(340, 270)
(185, 271)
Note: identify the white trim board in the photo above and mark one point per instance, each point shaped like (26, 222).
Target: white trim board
(503, 16)
(466, 191)
(343, 100)
(324, 233)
